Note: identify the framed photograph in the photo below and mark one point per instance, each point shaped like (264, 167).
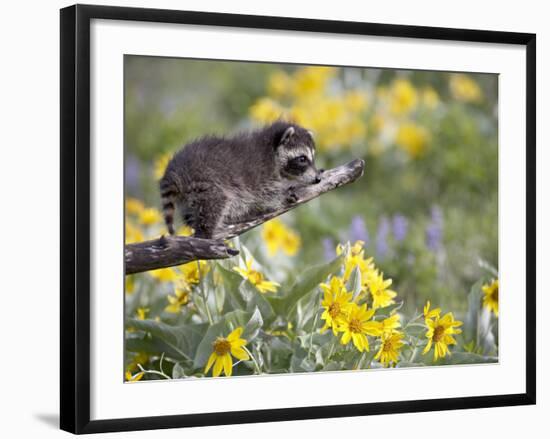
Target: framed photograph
(275, 218)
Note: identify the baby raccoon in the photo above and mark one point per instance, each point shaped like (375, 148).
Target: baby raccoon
(217, 181)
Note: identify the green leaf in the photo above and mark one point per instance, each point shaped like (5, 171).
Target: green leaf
(468, 358)
(470, 329)
(277, 352)
(354, 282)
(403, 364)
(415, 329)
(386, 311)
(231, 283)
(334, 366)
(236, 318)
(255, 299)
(178, 372)
(253, 326)
(300, 362)
(219, 296)
(316, 339)
(311, 278)
(182, 339)
(153, 346)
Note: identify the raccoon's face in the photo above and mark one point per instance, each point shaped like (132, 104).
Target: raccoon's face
(295, 156)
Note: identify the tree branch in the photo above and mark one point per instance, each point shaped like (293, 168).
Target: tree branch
(169, 251)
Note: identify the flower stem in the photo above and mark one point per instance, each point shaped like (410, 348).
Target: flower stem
(331, 351)
(413, 353)
(154, 372)
(203, 294)
(256, 365)
(313, 326)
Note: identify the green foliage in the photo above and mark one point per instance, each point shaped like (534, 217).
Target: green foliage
(431, 149)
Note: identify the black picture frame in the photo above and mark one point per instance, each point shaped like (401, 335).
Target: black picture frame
(75, 217)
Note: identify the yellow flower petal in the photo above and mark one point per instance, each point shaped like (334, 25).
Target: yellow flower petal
(235, 334)
(211, 360)
(239, 353)
(227, 365)
(218, 366)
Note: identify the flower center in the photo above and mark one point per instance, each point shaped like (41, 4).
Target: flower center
(355, 325)
(438, 333)
(221, 346)
(494, 294)
(388, 346)
(334, 310)
(255, 277)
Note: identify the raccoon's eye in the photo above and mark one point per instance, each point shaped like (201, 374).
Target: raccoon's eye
(301, 159)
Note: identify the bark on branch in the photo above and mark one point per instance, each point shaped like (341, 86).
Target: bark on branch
(169, 251)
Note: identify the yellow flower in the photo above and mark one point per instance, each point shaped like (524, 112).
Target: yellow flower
(150, 216)
(271, 232)
(403, 97)
(378, 288)
(355, 258)
(277, 236)
(179, 299)
(357, 325)
(490, 298)
(431, 313)
(391, 344)
(291, 243)
(161, 163)
(412, 138)
(139, 359)
(133, 378)
(279, 84)
(134, 206)
(185, 231)
(440, 334)
(377, 122)
(223, 348)
(336, 302)
(266, 110)
(133, 233)
(311, 80)
(256, 278)
(356, 100)
(355, 129)
(430, 98)
(194, 271)
(390, 323)
(129, 284)
(142, 313)
(465, 88)
(164, 274)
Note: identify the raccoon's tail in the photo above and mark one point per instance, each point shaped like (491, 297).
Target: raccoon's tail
(168, 194)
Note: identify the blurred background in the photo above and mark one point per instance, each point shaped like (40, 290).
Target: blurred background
(427, 206)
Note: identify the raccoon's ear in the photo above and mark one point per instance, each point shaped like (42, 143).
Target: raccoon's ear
(289, 132)
(311, 134)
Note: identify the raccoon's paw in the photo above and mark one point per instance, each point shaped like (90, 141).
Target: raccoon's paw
(291, 197)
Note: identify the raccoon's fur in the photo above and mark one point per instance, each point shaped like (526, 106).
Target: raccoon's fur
(216, 181)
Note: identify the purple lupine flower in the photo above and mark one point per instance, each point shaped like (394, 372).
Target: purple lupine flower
(382, 247)
(434, 229)
(328, 249)
(400, 227)
(358, 230)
